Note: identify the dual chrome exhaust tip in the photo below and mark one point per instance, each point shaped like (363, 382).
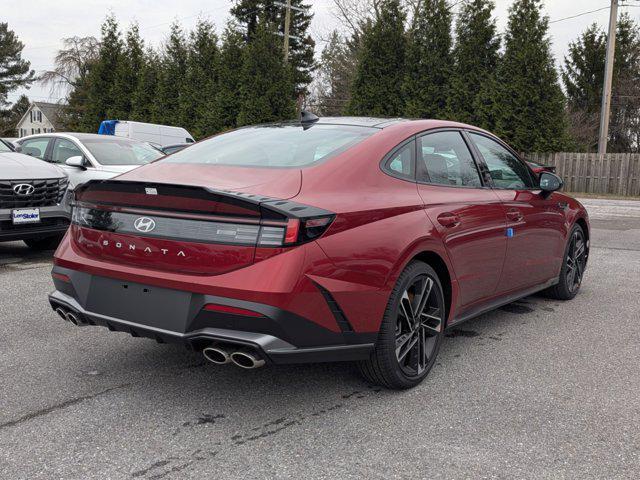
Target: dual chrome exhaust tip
(70, 317)
(243, 358)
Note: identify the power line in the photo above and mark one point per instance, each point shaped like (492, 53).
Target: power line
(579, 15)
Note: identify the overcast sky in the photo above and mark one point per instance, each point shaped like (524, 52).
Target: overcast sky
(41, 24)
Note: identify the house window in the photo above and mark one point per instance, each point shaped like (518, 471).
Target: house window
(31, 116)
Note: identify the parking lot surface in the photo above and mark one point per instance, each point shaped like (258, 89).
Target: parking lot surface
(536, 389)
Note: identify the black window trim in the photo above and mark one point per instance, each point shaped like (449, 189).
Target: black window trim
(466, 140)
(46, 157)
(88, 162)
(485, 168)
(392, 152)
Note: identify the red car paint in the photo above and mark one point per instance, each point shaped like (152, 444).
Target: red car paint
(381, 223)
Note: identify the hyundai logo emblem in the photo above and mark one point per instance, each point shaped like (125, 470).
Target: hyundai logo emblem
(144, 224)
(24, 189)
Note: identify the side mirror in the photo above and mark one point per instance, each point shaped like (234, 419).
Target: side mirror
(550, 182)
(17, 147)
(77, 161)
(496, 174)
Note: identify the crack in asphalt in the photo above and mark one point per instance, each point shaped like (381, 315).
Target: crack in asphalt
(250, 435)
(615, 248)
(60, 406)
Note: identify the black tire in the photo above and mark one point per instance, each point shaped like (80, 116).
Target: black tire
(47, 243)
(386, 366)
(573, 266)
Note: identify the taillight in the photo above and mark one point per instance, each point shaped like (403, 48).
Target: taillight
(306, 229)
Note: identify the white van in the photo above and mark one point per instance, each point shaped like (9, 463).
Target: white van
(160, 135)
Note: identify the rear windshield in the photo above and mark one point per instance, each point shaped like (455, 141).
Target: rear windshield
(274, 146)
(110, 151)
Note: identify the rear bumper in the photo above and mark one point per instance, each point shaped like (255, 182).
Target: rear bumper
(174, 316)
(53, 221)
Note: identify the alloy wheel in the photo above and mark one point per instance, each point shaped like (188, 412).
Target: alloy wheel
(576, 261)
(419, 322)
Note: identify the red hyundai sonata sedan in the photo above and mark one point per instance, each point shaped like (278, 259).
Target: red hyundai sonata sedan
(356, 239)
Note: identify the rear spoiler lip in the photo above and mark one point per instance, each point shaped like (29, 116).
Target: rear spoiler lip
(287, 208)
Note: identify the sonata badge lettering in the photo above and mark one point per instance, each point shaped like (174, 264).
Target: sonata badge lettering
(147, 249)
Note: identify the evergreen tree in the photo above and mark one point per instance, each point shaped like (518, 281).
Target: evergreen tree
(128, 74)
(200, 112)
(172, 77)
(583, 70)
(9, 118)
(15, 72)
(266, 83)
(429, 61)
(145, 106)
(583, 77)
(624, 127)
(101, 87)
(335, 74)
(249, 13)
(473, 94)
(230, 77)
(533, 116)
(377, 84)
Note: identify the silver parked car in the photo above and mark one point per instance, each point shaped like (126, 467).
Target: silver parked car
(33, 203)
(88, 156)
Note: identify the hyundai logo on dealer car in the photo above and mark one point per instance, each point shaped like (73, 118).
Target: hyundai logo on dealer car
(24, 189)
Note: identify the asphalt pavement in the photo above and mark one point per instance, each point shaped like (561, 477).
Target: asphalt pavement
(537, 389)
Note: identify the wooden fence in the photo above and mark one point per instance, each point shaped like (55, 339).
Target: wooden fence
(613, 173)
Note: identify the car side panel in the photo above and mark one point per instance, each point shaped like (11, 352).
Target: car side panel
(476, 246)
(536, 249)
(361, 281)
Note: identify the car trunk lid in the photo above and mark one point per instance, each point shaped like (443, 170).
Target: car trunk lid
(182, 228)
(281, 183)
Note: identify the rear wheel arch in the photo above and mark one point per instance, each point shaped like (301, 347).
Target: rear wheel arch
(436, 262)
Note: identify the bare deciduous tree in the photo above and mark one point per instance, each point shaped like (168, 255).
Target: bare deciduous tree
(72, 63)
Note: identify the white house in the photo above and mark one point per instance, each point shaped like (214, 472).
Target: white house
(42, 117)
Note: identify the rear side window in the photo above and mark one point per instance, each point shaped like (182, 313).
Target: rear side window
(64, 149)
(506, 170)
(400, 163)
(445, 159)
(274, 146)
(36, 147)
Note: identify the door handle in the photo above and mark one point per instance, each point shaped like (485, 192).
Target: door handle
(448, 219)
(514, 215)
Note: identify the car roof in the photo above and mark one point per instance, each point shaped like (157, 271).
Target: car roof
(78, 136)
(375, 122)
(382, 122)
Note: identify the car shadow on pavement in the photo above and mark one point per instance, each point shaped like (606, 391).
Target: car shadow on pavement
(153, 365)
(18, 253)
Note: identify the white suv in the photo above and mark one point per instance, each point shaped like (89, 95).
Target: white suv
(33, 203)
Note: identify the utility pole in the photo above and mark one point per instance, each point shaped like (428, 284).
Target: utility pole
(287, 27)
(605, 109)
